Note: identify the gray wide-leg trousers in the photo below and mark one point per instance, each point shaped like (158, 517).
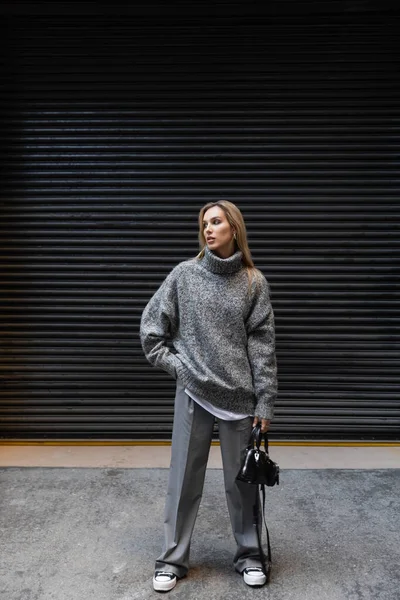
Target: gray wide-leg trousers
(191, 440)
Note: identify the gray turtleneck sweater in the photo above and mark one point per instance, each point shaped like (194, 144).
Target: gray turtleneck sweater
(222, 332)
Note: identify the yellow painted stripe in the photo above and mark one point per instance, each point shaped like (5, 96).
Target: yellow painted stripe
(168, 443)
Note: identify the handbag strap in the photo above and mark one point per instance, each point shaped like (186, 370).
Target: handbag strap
(265, 523)
(257, 437)
(265, 435)
(256, 522)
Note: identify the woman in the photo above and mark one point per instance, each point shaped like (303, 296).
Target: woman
(216, 311)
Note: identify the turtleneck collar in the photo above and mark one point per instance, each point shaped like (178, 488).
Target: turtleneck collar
(222, 266)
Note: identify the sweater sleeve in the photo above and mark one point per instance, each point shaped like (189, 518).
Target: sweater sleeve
(159, 322)
(260, 327)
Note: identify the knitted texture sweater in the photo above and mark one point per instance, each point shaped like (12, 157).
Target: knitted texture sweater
(221, 331)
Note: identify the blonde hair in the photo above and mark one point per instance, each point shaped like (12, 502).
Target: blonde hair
(235, 219)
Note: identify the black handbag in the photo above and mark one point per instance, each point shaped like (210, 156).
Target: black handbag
(257, 467)
(259, 470)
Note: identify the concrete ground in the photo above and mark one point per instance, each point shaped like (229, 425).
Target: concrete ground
(79, 523)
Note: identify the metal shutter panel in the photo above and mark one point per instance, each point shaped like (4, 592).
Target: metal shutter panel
(119, 124)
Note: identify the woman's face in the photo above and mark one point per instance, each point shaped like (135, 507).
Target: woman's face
(218, 232)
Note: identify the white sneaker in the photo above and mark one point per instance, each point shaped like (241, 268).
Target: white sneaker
(164, 581)
(254, 576)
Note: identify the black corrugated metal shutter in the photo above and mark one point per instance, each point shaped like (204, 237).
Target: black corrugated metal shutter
(119, 124)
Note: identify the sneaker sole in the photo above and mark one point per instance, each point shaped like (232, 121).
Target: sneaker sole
(163, 586)
(254, 580)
